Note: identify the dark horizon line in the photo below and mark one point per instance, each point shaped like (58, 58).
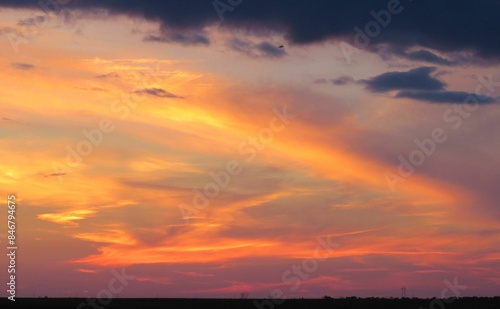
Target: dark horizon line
(326, 297)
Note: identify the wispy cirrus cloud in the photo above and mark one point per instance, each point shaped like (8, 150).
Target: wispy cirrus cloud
(257, 50)
(343, 80)
(419, 54)
(23, 66)
(68, 217)
(425, 56)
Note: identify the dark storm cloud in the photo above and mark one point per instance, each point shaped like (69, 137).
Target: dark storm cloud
(447, 25)
(418, 84)
(416, 79)
(157, 92)
(445, 97)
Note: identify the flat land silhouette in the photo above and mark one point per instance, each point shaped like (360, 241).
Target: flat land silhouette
(330, 303)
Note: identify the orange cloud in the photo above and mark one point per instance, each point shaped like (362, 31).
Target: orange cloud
(68, 217)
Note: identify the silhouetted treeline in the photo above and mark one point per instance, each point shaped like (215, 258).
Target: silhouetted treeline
(199, 303)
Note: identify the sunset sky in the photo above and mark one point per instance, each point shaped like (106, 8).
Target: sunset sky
(210, 148)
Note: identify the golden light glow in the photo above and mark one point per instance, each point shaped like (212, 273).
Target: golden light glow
(68, 217)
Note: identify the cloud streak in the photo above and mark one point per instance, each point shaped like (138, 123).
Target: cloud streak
(157, 92)
(445, 96)
(418, 84)
(257, 50)
(416, 79)
(23, 66)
